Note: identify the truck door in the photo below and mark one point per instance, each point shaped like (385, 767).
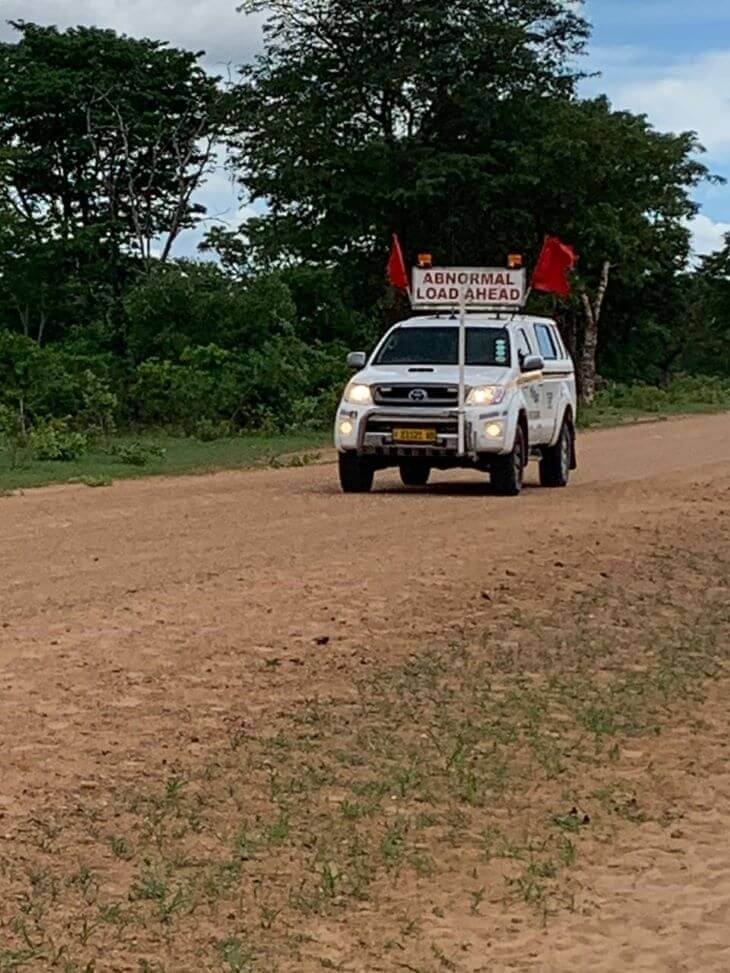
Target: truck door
(554, 375)
(532, 391)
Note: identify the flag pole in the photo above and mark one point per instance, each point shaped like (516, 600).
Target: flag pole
(462, 375)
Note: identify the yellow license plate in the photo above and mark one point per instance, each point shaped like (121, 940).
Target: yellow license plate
(415, 435)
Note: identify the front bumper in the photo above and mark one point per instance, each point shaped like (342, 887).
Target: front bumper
(370, 432)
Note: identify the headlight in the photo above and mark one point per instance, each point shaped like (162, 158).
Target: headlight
(486, 395)
(358, 394)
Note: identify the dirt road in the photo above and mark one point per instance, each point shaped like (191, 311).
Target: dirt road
(134, 620)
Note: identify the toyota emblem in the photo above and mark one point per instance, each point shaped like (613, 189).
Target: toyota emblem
(418, 395)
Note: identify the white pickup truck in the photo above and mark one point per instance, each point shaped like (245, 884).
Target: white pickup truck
(401, 409)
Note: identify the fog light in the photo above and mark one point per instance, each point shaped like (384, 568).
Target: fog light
(494, 430)
(346, 428)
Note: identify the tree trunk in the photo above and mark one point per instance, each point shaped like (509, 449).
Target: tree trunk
(41, 326)
(22, 425)
(587, 358)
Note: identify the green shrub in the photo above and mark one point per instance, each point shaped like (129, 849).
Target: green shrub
(100, 403)
(138, 453)
(8, 423)
(53, 440)
(685, 393)
(689, 390)
(316, 411)
(284, 384)
(205, 384)
(208, 430)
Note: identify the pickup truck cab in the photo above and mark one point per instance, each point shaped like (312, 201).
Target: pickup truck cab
(401, 408)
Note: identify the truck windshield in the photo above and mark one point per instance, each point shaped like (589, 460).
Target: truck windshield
(434, 345)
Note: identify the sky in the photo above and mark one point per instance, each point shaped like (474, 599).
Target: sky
(669, 59)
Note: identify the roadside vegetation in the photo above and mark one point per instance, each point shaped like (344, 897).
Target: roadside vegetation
(156, 454)
(358, 826)
(68, 452)
(620, 403)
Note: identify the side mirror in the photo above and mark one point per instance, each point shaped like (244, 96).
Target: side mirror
(357, 360)
(532, 363)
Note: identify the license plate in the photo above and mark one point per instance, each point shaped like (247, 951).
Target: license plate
(415, 435)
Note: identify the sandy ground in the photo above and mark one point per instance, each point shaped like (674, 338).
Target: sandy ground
(130, 616)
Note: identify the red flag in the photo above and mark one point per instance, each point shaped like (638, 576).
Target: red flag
(397, 273)
(556, 261)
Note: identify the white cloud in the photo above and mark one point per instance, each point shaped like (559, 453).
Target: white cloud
(210, 25)
(707, 236)
(680, 95)
(690, 95)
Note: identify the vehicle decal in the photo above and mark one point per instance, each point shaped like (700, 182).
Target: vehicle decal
(529, 378)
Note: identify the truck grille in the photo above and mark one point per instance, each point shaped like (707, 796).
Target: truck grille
(417, 396)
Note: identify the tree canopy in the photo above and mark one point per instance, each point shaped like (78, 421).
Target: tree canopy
(459, 126)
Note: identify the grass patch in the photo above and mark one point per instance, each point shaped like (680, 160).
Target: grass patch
(159, 455)
(685, 395)
(464, 780)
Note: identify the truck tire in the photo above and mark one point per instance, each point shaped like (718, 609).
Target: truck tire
(356, 475)
(557, 460)
(508, 471)
(415, 474)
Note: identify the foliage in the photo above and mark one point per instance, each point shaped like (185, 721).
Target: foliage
(138, 453)
(209, 431)
(620, 401)
(352, 119)
(470, 150)
(259, 388)
(104, 141)
(53, 440)
(186, 305)
(684, 389)
(100, 403)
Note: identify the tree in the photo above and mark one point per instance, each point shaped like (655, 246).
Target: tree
(104, 140)
(707, 318)
(459, 126)
(352, 112)
(621, 192)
